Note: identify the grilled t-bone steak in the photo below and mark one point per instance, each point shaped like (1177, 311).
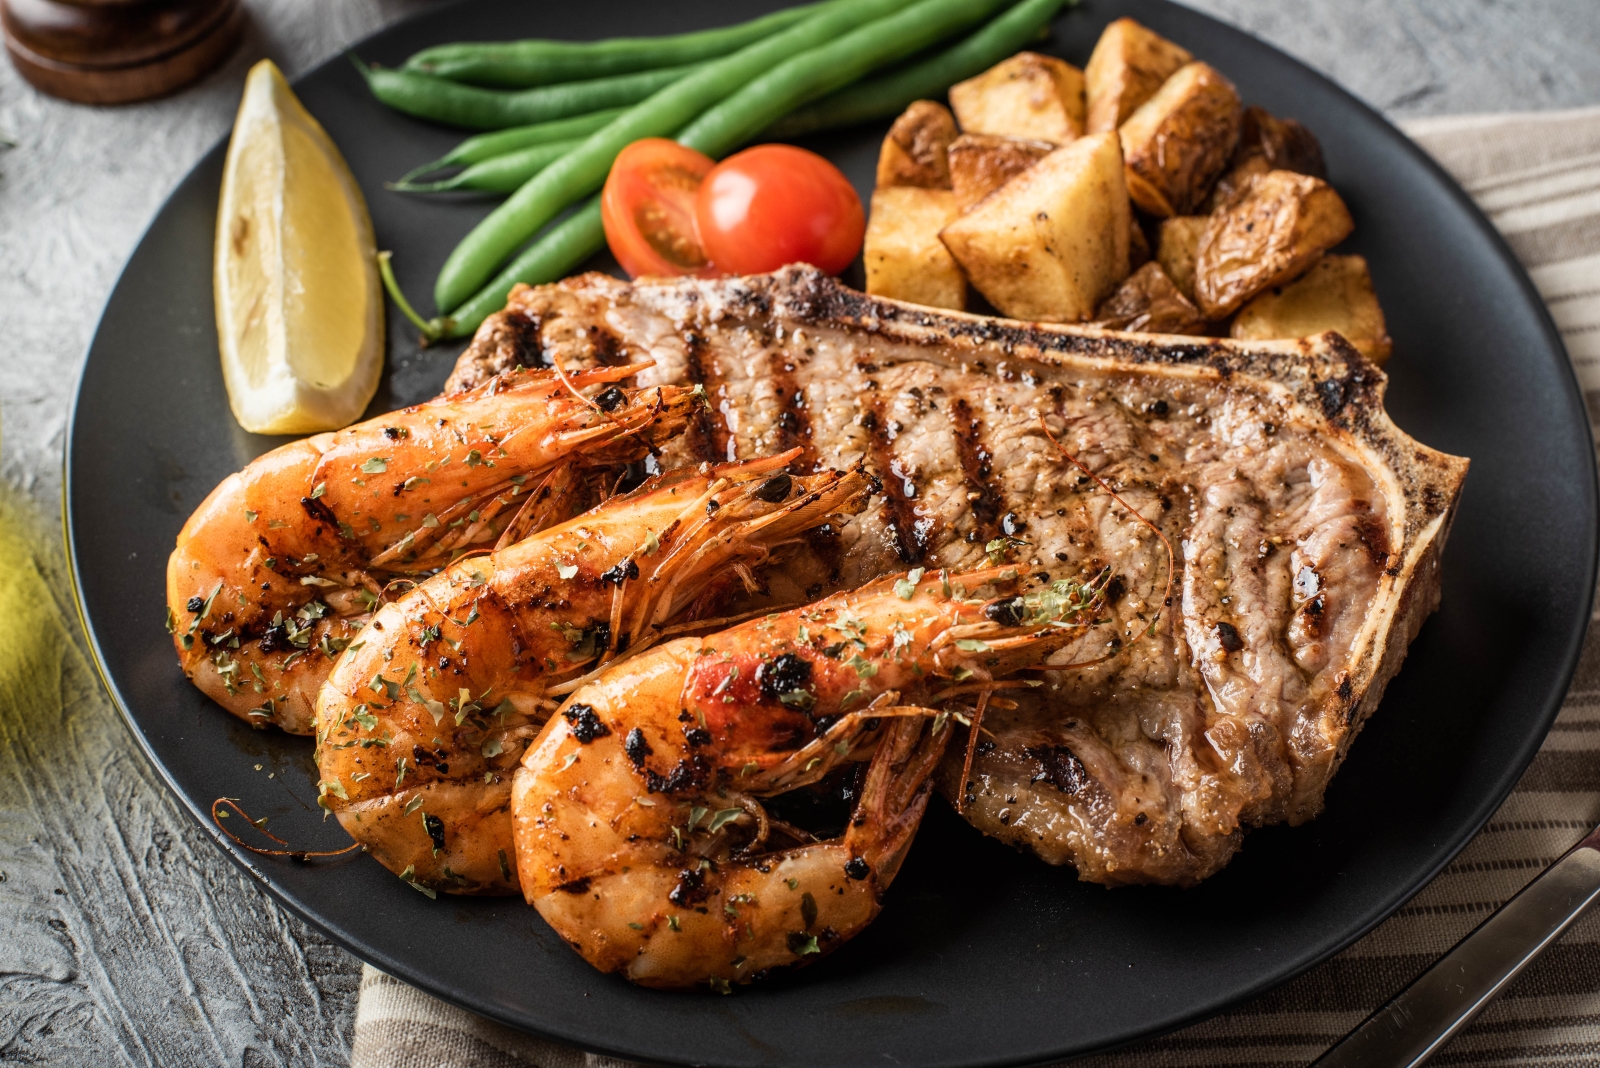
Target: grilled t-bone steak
(1307, 529)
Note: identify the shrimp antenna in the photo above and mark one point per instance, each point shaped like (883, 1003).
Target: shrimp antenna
(1166, 596)
(260, 825)
(972, 750)
(561, 373)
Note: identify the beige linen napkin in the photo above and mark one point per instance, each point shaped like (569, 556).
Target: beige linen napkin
(1538, 178)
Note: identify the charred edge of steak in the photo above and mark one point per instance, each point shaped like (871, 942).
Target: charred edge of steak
(507, 340)
(1325, 373)
(812, 297)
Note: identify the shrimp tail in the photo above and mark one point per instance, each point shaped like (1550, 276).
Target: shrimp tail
(896, 792)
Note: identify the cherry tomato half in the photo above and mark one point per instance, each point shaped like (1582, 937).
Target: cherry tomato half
(773, 205)
(647, 208)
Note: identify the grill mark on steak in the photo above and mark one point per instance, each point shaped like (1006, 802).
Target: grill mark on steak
(910, 532)
(708, 431)
(977, 468)
(522, 341)
(608, 347)
(793, 428)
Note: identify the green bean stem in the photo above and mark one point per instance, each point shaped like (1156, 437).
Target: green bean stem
(430, 330)
(890, 94)
(499, 174)
(524, 64)
(436, 99)
(485, 146)
(583, 170)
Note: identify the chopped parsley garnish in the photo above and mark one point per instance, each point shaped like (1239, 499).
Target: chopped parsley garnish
(801, 699)
(864, 668)
(906, 588)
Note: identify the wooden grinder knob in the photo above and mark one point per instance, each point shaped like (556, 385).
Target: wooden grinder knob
(118, 51)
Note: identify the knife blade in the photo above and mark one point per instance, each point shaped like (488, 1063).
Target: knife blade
(1444, 999)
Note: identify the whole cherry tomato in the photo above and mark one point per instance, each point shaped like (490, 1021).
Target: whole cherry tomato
(648, 209)
(773, 205)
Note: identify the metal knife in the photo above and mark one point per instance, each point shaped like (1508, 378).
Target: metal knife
(1425, 1015)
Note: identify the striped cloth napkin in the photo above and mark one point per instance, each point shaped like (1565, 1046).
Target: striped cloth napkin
(1538, 178)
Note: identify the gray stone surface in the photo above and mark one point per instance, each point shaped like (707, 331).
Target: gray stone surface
(124, 937)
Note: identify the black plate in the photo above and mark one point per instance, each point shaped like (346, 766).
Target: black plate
(982, 956)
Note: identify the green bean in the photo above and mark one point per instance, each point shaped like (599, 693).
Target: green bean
(524, 64)
(561, 248)
(499, 143)
(889, 94)
(498, 174)
(881, 41)
(583, 170)
(453, 104)
(815, 73)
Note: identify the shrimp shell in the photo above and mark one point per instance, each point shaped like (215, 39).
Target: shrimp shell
(421, 723)
(280, 566)
(617, 845)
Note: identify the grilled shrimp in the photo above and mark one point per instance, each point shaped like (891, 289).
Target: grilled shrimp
(422, 721)
(640, 832)
(280, 566)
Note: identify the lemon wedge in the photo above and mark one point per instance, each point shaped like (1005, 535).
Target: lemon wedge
(299, 305)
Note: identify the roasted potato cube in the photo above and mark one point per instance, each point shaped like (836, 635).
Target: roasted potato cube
(1279, 225)
(1053, 242)
(1177, 142)
(1138, 244)
(1148, 303)
(1335, 294)
(904, 257)
(1267, 143)
(1233, 183)
(982, 163)
(1035, 97)
(1128, 65)
(1176, 246)
(1287, 145)
(916, 151)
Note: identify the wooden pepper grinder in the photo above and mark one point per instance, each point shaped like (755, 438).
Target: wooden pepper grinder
(118, 51)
